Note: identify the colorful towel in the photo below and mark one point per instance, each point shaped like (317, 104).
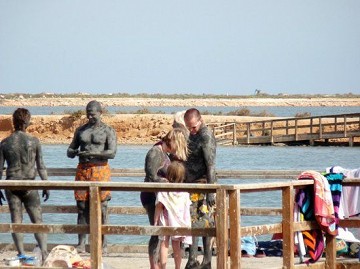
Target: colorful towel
(315, 203)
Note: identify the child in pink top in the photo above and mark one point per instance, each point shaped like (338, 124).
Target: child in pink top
(173, 209)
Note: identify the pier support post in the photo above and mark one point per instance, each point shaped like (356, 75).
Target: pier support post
(222, 237)
(288, 227)
(95, 228)
(351, 141)
(235, 231)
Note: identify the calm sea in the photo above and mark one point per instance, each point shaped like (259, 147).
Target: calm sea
(228, 158)
(276, 111)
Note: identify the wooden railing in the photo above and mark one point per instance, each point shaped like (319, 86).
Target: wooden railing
(228, 214)
(301, 129)
(225, 134)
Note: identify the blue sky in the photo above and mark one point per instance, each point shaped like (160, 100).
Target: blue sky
(212, 47)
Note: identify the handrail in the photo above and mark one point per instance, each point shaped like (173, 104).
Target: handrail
(301, 128)
(228, 208)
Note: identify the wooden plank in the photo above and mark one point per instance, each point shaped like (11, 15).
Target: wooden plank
(348, 265)
(156, 230)
(44, 228)
(261, 229)
(305, 225)
(235, 231)
(288, 227)
(260, 211)
(317, 265)
(95, 227)
(330, 251)
(350, 223)
(222, 237)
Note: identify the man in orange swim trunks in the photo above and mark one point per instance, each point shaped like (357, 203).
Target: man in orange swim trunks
(94, 143)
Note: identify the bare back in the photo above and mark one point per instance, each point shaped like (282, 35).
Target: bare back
(22, 154)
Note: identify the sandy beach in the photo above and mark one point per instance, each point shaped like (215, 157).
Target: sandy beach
(141, 128)
(188, 102)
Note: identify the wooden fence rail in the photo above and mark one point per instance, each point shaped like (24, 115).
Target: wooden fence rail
(227, 215)
(288, 130)
(302, 129)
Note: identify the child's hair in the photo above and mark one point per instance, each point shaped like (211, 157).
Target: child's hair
(176, 172)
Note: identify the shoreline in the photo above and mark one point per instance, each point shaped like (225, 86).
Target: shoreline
(142, 129)
(185, 102)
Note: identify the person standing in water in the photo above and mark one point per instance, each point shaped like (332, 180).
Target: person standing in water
(23, 156)
(94, 143)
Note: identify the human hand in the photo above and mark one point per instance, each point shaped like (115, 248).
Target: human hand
(2, 197)
(83, 153)
(210, 199)
(71, 153)
(46, 195)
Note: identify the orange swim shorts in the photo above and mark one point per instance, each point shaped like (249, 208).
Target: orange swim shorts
(92, 172)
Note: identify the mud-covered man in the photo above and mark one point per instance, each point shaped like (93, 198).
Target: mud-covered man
(23, 156)
(200, 167)
(94, 143)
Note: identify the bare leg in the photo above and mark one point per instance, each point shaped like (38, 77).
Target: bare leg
(154, 239)
(15, 206)
(206, 264)
(104, 220)
(177, 253)
(83, 218)
(193, 253)
(33, 208)
(164, 250)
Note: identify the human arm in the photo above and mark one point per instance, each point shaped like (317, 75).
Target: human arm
(209, 153)
(41, 168)
(73, 150)
(158, 209)
(154, 161)
(2, 160)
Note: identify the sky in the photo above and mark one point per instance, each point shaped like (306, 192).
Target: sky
(194, 47)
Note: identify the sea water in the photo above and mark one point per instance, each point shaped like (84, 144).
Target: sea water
(228, 158)
(277, 111)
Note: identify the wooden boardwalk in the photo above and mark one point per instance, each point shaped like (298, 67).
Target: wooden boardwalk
(305, 130)
(228, 213)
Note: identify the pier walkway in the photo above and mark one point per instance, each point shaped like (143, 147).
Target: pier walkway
(290, 130)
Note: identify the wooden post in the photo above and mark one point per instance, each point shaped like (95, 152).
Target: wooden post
(288, 226)
(320, 129)
(311, 126)
(335, 124)
(271, 132)
(351, 141)
(287, 127)
(345, 132)
(248, 133)
(95, 228)
(330, 252)
(234, 134)
(222, 237)
(263, 128)
(296, 130)
(235, 231)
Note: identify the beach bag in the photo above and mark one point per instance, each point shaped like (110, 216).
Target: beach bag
(354, 249)
(62, 256)
(341, 247)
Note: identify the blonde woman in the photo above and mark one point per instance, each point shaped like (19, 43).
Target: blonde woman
(156, 163)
